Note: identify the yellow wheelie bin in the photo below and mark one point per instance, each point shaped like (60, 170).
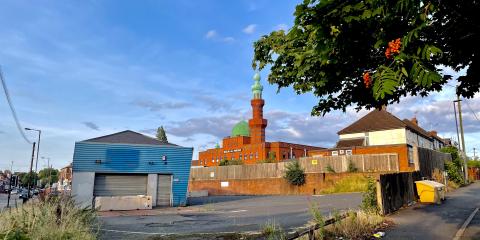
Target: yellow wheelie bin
(430, 191)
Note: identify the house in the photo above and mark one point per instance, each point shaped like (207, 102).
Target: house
(65, 178)
(128, 164)
(381, 132)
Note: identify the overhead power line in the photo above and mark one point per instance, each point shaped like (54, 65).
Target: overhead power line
(468, 105)
(14, 114)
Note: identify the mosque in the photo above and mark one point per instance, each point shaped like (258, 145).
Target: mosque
(247, 141)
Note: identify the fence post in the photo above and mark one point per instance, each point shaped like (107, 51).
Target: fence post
(363, 163)
(389, 165)
(379, 195)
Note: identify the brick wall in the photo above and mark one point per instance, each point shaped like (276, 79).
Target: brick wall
(314, 183)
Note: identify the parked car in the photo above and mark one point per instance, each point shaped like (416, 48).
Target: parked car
(24, 194)
(35, 191)
(14, 191)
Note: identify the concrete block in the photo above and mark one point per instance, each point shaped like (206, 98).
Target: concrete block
(201, 193)
(152, 182)
(82, 188)
(123, 203)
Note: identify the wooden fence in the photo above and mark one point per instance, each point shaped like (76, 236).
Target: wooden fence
(395, 190)
(363, 163)
(431, 161)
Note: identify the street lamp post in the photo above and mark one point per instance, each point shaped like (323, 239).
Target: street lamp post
(38, 148)
(49, 171)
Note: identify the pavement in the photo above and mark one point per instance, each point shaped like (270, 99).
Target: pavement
(222, 214)
(437, 222)
(14, 199)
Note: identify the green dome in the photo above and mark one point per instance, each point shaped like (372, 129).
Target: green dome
(241, 129)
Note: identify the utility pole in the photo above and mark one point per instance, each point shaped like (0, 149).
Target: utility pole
(456, 123)
(474, 154)
(460, 120)
(31, 169)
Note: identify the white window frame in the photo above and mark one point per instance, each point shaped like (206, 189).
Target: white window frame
(334, 153)
(348, 152)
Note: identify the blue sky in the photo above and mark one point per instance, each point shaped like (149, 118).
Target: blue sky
(82, 69)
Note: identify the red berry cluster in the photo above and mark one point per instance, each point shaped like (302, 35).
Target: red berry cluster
(367, 80)
(393, 47)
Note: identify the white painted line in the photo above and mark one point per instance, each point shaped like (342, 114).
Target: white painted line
(237, 211)
(120, 231)
(465, 225)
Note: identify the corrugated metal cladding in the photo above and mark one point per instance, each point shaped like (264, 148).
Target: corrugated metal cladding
(141, 159)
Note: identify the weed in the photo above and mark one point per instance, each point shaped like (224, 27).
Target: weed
(357, 225)
(351, 167)
(273, 231)
(330, 169)
(355, 183)
(318, 218)
(369, 201)
(57, 218)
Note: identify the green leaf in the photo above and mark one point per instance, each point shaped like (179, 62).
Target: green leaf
(404, 71)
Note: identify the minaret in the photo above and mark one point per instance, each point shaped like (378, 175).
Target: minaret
(257, 124)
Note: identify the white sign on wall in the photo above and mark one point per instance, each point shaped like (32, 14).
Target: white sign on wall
(212, 174)
(223, 184)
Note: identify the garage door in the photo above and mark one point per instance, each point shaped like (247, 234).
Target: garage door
(120, 185)
(164, 190)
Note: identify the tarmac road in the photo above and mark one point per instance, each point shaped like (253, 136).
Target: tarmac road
(226, 214)
(437, 222)
(13, 198)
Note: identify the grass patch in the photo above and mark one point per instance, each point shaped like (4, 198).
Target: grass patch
(355, 183)
(57, 218)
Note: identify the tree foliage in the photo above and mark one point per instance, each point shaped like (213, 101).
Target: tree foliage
(454, 168)
(371, 53)
(161, 135)
(28, 178)
(294, 173)
(47, 176)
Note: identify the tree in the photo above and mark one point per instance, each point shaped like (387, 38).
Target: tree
(28, 178)
(47, 176)
(371, 53)
(161, 135)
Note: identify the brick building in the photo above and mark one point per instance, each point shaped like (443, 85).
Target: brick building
(381, 132)
(247, 141)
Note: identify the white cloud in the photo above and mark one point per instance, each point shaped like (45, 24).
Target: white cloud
(228, 39)
(281, 26)
(211, 34)
(250, 29)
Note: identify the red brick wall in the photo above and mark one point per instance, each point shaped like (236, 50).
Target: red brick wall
(314, 183)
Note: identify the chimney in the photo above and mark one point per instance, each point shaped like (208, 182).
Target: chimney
(414, 120)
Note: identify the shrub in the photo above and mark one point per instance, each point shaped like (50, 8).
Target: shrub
(369, 201)
(330, 169)
(294, 173)
(57, 218)
(348, 184)
(454, 168)
(351, 167)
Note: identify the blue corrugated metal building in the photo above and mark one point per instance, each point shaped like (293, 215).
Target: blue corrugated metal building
(129, 163)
